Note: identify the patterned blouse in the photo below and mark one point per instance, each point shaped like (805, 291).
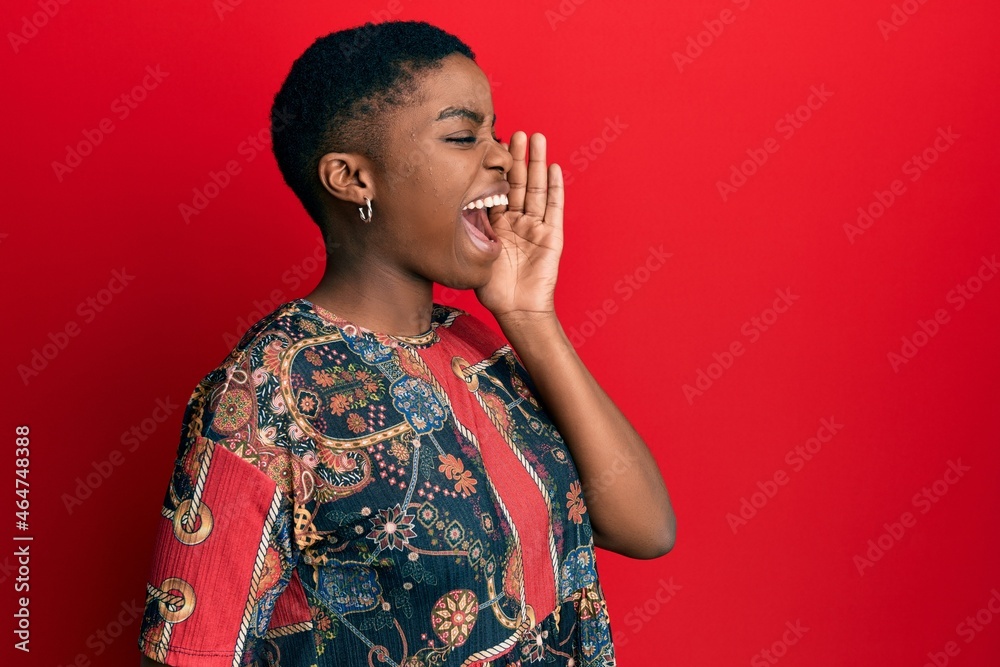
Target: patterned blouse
(347, 498)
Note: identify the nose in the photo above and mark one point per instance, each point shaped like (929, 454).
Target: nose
(498, 157)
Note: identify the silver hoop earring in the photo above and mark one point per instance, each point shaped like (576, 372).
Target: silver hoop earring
(361, 210)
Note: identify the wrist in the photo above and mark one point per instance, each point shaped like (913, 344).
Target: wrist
(533, 333)
(521, 319)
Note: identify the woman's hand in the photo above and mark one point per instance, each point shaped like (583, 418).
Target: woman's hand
(530, 228)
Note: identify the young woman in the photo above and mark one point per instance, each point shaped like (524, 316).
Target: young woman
(373, 478)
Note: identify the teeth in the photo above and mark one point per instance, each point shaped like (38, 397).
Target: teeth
(489, 202)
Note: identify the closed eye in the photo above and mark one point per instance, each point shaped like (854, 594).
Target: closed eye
(468, 140)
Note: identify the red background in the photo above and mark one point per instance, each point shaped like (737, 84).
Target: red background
(651, 182)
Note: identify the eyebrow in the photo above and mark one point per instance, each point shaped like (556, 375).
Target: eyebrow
(463, 112)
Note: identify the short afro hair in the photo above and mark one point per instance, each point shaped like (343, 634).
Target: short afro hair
(338, 91)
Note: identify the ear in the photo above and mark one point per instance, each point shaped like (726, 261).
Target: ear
(346, 176)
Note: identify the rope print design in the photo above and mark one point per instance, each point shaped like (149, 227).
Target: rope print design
(382, 537)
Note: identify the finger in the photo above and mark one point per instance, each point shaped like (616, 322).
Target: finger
(503, 207)
(518, 175)
(554, 203)
(537, 188)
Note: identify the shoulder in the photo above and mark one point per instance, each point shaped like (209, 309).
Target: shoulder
(259, 346)
(243, 404)
(290, 321)
(240, 390)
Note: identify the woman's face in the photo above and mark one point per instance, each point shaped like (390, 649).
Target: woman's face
(440, 155)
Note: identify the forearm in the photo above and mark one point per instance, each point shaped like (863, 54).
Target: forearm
(626, 497)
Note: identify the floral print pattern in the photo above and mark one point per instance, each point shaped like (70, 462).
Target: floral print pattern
(397, 500)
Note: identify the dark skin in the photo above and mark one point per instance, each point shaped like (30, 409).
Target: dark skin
(380, 275)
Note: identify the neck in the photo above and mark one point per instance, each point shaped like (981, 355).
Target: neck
(375, 296)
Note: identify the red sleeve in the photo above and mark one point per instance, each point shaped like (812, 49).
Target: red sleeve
(223, 550)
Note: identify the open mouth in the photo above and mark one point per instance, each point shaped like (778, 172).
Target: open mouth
(478, 224)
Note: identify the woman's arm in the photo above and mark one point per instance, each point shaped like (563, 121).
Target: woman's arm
(630, 510)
